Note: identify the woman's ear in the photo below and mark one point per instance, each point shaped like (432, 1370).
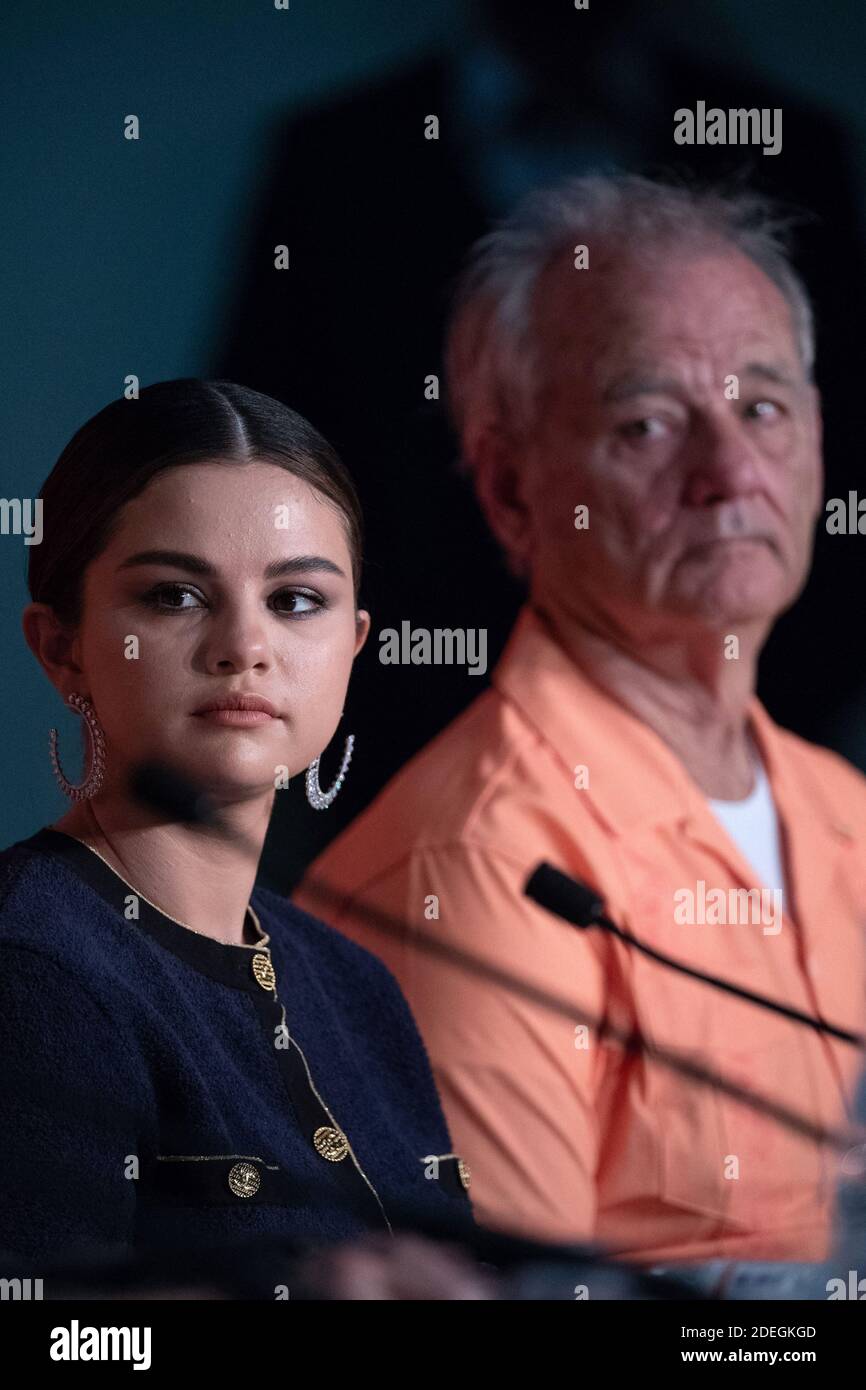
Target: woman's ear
(362, 629)
(54, 646)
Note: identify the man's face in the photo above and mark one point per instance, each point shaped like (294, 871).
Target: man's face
(676, 408)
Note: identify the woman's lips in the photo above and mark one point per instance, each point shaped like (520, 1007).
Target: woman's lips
(237, 709)
(238, 717)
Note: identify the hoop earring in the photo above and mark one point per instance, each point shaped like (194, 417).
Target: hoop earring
(319, 800)
(93, 780)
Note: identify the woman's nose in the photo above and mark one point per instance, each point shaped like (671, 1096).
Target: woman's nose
(237, 641)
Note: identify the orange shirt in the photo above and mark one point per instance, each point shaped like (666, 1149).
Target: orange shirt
(568, 1137)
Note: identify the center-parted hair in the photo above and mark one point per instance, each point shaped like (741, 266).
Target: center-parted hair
(113, 457)
(495, 358)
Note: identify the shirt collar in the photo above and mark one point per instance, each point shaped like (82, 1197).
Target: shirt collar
(583, 725)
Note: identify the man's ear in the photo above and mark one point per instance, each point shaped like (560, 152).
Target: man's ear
(362, 629)
(55, 648)
(498, 465)
(817, 426)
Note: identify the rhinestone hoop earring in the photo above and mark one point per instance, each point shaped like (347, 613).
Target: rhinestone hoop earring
(319, 800)
(93, 780)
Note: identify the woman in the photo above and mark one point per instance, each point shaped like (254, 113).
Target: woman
(189, 1060)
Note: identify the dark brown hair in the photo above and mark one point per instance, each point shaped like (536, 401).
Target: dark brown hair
(114, 455)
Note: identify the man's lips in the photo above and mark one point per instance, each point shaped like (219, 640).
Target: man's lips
(712, 541)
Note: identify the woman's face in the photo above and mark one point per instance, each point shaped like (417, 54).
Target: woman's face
(160, 637)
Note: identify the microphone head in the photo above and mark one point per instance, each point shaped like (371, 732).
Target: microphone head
(563, 896)
(173, 794)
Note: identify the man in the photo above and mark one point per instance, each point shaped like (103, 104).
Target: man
(352, 335)
(630, 373)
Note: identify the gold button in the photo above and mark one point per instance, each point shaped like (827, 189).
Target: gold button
(331, 1143)
(264, 972)
(464, 1173)
(244, 1180)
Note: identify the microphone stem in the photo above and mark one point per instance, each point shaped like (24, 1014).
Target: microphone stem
(786, 1010)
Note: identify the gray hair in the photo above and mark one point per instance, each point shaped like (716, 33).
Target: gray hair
(493, 356)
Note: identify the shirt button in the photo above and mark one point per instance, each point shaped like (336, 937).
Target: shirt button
(853, 1165)
(331, 1143)
(244, 1180)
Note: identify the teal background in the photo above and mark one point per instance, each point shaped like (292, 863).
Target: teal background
(120, 257)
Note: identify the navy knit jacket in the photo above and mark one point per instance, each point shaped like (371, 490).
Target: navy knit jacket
(151, 1100)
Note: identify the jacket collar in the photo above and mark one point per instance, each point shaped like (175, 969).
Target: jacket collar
(225, 963)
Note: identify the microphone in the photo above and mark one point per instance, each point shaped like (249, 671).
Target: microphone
(177, 799)
(580, 905)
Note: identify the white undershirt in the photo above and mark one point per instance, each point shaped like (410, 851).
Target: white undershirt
(754, 827)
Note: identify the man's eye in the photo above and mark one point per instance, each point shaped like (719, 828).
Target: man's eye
(648, 427)
(764, 410)
(160, 597)
(302, 602)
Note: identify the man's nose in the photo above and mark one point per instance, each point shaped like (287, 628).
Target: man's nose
(723, 463)
(237, 639)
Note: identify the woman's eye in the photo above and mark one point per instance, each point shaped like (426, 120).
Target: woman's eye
(160, 597)
(302, 602)
(168, 598)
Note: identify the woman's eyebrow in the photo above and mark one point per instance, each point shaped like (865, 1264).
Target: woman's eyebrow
(194, 564)
(302, 564)
(177, 559)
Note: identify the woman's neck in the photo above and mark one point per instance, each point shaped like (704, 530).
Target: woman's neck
(194, 876)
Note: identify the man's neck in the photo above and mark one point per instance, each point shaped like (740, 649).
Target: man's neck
(195, 877)
(687, 692)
